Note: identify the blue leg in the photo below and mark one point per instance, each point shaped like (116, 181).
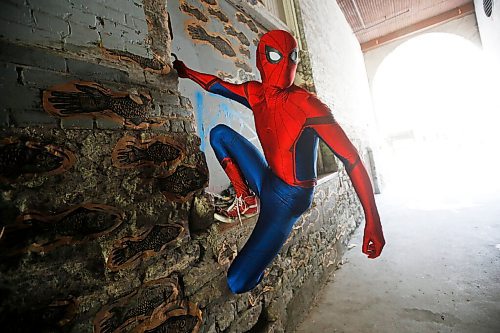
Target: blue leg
(281, 206)
(228, 143)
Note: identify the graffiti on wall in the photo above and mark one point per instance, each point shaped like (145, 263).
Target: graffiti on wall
(151, 241)
(80, 98)
(155, 306)
(42, 232)
(181, 185)
(240, 121)
(160, 151)
(21, 159)
(153, 65)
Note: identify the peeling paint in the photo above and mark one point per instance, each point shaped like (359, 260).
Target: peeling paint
(217, 13)
(222, 45)
(193, 11)
(158, 23)
(241, 36)
(245, 51)
(225, 76)
(243, 65)
(248, 21)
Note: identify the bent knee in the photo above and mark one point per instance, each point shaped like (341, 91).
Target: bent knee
(241, 283)
(218, 134)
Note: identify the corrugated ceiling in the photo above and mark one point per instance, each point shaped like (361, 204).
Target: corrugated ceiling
(371, 19)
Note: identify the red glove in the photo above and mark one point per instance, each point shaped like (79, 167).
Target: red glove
(181, 68)
(373, 240)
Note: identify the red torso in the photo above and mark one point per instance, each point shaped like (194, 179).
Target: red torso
(279, 121)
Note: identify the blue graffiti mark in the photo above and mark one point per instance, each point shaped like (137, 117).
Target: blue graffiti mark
(226, 114)
(199, 119)
(243, 119)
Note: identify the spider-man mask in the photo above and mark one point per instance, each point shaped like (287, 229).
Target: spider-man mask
(277, 57)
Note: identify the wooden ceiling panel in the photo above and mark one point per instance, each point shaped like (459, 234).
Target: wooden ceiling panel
(372, 19)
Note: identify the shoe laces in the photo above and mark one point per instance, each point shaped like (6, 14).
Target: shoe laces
(239, 201)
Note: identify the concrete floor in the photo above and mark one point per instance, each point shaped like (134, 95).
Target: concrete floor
(439, 272)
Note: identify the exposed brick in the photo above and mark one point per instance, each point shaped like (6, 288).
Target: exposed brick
(163, 129)
(164, 81)
(177, 125)
(108, 124)
(136, 47)
(31, 57)
(55, 7)
(55, 25)
(186, 102)
(19, 97)
(4, 118)
(170, 111)
(16, 14)
(170, 99)
(31, 117)
(8, 73)
(28, 35)
(23, 102)
(188, 125)
(139, 24)
(82, 35)
(77, 123)
(93, 72)
(132, 8)
(84, 19)
(98, 9)
(44, 79)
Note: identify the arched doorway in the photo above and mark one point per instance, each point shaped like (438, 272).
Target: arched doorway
(438, 112)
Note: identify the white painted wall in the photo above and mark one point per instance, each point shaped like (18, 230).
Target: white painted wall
(489, 29)
(338, 67)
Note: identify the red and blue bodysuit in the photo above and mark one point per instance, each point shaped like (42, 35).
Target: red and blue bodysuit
(289, 122)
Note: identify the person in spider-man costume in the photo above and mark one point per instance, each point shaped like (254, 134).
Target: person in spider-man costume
(289, 122)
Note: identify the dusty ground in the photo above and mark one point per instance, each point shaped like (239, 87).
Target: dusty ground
(440, 270)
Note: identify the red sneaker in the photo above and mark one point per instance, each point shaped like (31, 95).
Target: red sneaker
(241, 208)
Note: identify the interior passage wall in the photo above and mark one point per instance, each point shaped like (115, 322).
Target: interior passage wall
(489, 28)
(338, 67)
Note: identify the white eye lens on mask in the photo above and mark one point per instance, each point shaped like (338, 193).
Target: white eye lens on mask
(293, 56)
(274, 56)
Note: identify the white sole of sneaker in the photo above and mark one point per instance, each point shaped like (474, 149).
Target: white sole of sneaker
(225, 219)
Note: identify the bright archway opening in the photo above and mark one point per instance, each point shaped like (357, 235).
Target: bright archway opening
(438, 111)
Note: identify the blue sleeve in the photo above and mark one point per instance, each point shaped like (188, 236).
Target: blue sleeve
(219, 89)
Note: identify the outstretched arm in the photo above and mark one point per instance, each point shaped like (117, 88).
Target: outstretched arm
(321, 120)
(213, 84)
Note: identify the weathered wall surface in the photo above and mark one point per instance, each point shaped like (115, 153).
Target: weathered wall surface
(220, 40)
(99, 164)
(489, 28)
(338, 67)
(105, 225)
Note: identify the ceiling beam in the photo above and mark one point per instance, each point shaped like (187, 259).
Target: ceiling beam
(419, 26)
